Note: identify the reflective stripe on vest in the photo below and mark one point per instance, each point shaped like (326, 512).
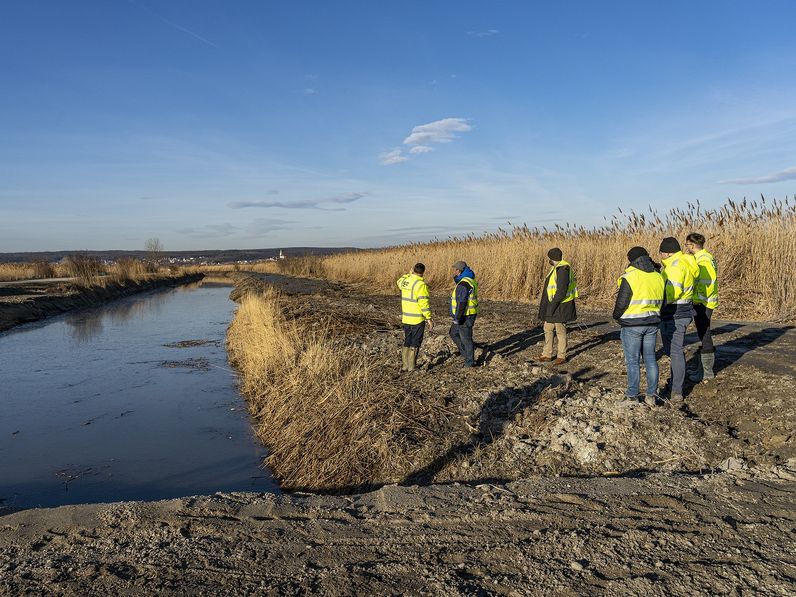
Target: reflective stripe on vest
(647, 289)
(679, 272)
(552, 283)
(706, 288)
(472, 300)
(415, 307)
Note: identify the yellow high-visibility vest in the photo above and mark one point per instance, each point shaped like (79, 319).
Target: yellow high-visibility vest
(472, 301)
(415, 306)
(648, 291)
(706, 286)
(552, 285)
(679, 273)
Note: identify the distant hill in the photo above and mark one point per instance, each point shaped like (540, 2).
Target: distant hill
(209, 256)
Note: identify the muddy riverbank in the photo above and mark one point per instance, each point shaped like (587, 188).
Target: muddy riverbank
(32, 301)
(728, 533)
(510, 418)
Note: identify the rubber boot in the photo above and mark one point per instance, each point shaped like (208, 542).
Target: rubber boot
(696, 374)
(404, 358)
(708, 361)
(411, 359)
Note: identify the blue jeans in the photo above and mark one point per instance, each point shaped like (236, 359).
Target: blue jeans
(635, 341)
(673, 338)
(462, 336)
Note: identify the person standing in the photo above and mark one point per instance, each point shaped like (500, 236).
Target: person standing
(638, 311)
(557, 306)
(706, 299)
(415, 313)
(464, 310)
(679, 273)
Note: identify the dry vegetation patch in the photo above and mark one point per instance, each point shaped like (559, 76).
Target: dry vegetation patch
(330, 418)
(751, 240)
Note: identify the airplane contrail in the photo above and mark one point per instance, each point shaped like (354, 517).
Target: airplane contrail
(176, 25)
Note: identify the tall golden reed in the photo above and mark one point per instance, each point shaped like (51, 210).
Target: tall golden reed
(754, 243)
(328, 420)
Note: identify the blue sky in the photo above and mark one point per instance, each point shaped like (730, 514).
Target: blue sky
(265, 124)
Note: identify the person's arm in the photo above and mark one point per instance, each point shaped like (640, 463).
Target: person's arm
(543, 301)
(462, 296)
(562, 284)
(623, 298)
(423, 301)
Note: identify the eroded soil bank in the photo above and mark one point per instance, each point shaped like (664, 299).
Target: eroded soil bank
(25, 302)
(728, 533)
(510, 418)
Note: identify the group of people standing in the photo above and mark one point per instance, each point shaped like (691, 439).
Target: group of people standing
(651, 297)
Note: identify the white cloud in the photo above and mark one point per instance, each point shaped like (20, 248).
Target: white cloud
(486, 33)
(310, 91)
(303, 203)
(419, 140)
(395, 156)
(786, 174)
(439, 131)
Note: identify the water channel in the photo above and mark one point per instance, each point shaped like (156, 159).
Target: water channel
(134, 400)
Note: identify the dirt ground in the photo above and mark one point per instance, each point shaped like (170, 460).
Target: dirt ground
(545, 481)
(510, 417)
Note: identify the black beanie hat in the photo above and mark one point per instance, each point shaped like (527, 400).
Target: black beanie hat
(669, 245)
(636, 252)
(555, 254)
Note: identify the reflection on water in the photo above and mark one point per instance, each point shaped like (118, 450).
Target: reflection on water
(109, 404)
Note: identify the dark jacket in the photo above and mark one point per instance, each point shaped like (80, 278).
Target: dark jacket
(463, 291)
(625, 294)
(554, 311)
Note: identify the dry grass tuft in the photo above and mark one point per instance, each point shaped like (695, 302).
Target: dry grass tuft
(328, 418)
(127, 269)
(752, 241)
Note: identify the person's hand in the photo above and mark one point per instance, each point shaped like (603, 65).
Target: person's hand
(430, 324)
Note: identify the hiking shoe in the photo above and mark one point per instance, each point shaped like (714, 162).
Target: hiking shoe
(559, 361)
(652, 400)
(544, 359)
(675, 401)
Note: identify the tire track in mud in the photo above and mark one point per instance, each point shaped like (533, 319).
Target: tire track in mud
(660, 535)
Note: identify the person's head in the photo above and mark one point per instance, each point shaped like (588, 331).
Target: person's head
(554, 255)
(635, 253)
(669, 246)
(694, 242)
(419, 269)
(458, 268)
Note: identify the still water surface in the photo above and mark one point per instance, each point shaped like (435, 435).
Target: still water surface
(110, 404)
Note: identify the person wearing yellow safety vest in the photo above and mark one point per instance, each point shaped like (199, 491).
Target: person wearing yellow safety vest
(464, 310)
(679, 271)
(706, 299)
(638, 311)
(415, 313)
(557, 305)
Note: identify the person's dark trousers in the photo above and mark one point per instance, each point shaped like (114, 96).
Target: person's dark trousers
(702, 322)
(462, 336)
(413, 334)
(673, 338)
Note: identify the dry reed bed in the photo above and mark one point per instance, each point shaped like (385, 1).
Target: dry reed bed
(328, 417)
(754, 243)
(88, 271)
